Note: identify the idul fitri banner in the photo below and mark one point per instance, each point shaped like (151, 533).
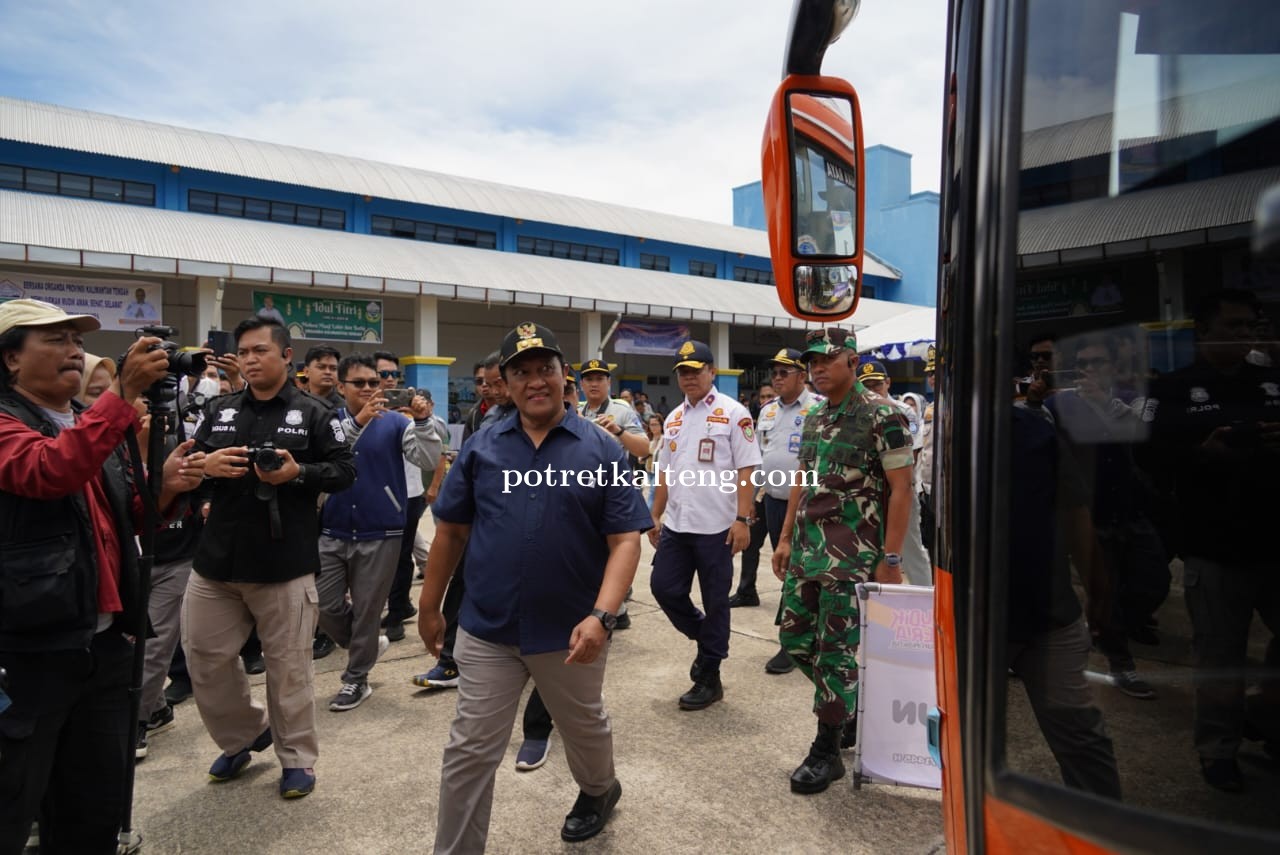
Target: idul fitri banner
(322, 318)
(654, 339)
(117, 304)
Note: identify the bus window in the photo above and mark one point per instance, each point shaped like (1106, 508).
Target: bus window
(1140, 577)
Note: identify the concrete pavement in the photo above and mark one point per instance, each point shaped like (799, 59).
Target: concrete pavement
(693, 782)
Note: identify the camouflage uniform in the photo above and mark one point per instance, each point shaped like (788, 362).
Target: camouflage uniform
(838, 539)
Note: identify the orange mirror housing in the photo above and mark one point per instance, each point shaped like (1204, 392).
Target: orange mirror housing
(812, 181)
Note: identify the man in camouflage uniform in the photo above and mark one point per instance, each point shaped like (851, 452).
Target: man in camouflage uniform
(847, 529)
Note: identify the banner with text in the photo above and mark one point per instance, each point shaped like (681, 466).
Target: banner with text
(324, 318)
(653, 339)
(896, 686)
(118, 305)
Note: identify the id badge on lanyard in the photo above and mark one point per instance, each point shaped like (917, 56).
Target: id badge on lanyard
(706, 450)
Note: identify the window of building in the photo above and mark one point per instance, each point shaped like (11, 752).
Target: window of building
(751, 274)
(567, 249)
(432, 232)
(70, 184)
(249, 208)
(649, 261)
(702, 268)
(76, 184)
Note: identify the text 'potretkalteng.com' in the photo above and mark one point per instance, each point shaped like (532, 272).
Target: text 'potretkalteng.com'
(618, 475)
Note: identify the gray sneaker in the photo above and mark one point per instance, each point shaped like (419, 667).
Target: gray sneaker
(1132, 685)
(350, 696)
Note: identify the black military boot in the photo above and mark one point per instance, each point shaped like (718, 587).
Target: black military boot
(849, 733)
(823, 765)
(706, 688)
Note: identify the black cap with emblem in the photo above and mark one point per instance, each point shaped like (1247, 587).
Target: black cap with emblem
(694, 354)
(787, 356)
(527, 338)
(594, 366)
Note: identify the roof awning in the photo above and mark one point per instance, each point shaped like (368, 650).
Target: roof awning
(97, 235)
(1198, 212)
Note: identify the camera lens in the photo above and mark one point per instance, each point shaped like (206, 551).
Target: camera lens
(267, 460)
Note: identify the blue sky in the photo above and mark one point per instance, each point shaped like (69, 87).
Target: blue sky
(658, 104)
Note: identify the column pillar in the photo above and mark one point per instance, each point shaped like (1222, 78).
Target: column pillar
(425, 369)
(727, 381)
(589, 336)
(209, 290)
(720, 344)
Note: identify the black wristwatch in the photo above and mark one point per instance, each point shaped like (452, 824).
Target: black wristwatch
(747, 521)
(609, 621)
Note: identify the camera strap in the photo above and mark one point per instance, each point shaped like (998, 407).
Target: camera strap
(268, 494)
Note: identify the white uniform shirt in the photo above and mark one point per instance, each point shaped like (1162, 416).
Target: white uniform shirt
(780, 426)
(709, 443)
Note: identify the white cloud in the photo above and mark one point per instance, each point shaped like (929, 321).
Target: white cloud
(658, 104)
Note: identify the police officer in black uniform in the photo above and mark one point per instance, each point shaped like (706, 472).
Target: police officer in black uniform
(1215, 431)
(274, 450)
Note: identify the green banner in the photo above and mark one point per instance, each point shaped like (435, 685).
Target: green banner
(323, 318)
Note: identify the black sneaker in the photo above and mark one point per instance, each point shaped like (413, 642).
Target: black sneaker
(1222, 774)
(744, 598)
(781, 663)
(140, 747)
(177, 691)
(254, 664)
(322, 646)
(395, 632)
(624, 621)
(350, 696)
(161, 720)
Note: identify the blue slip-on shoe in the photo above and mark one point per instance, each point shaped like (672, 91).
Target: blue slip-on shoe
(296, 783)
(533, 753)
(228, 766)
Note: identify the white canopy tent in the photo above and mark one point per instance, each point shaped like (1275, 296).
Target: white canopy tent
(904, 336)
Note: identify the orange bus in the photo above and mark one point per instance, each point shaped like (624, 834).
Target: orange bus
(1106, 476)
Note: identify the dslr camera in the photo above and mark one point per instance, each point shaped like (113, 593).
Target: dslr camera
(265, 457)
(163, 394)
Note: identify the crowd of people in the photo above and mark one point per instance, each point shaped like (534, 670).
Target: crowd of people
(289, 502)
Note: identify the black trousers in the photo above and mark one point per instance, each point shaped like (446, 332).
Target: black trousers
(63, 746)
(399, 606)
(770, 513)
(450, 607)
(537, 721)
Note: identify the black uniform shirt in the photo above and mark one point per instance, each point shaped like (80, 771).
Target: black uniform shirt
(1225, 493)
(237, 545)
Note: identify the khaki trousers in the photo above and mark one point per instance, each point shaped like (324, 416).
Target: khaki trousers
(491, 680)
(216, 619)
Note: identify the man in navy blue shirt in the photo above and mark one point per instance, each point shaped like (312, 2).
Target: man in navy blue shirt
(554, 535)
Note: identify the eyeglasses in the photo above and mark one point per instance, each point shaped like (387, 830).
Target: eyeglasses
(361, 383)
(784, 372)
(546, 371)
(387, 375)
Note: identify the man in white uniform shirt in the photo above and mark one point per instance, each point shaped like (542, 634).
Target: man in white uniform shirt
(702, 514)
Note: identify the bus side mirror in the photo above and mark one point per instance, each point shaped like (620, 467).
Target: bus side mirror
(812, 161)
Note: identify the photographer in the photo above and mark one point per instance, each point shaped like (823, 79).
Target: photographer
(68, 578)
(272, 451)
(363, 527)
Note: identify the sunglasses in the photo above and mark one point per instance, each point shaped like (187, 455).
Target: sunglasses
(386, 375)
(362, 383)
(832, 334)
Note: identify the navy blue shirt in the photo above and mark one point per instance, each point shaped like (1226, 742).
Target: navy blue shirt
(536, 557)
